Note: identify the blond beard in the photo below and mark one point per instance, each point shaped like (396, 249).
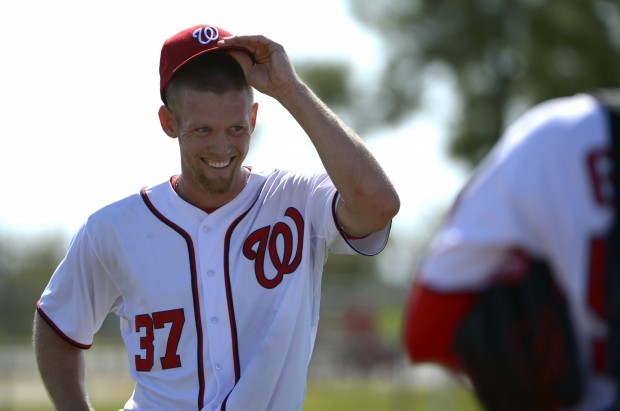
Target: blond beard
(216, 185)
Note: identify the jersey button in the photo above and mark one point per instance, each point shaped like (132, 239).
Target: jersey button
(215, 320)
(206, 229)
(210, 273)
(218, 367)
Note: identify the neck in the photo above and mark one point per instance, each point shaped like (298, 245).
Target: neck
(204, 199)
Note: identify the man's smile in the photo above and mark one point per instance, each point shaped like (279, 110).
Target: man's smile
(218, 164)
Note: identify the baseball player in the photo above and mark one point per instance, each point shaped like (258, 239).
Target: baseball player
(533, 227)
(215, 273)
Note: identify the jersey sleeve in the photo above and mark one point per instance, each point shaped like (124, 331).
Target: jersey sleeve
(324, 197)
(80, 293)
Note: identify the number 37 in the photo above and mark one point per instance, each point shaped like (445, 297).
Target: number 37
(156, 321)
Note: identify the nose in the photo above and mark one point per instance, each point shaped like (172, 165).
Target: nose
(219, 143)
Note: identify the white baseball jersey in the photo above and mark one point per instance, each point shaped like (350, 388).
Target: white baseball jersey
(546, 187)
(218, 311)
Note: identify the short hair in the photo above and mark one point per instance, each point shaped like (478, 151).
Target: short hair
(216, 71)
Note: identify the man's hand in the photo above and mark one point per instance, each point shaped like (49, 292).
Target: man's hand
(268, 69)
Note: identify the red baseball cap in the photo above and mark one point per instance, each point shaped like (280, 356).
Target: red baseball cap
(184, 46)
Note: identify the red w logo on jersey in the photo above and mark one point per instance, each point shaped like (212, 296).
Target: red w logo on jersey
(267, 240)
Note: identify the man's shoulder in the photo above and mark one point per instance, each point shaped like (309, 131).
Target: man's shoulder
(553, 129)
(124, 208)
(290, 185)
(289, 175)
(559, 118)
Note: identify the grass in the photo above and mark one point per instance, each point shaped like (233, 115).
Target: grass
(339, 396)
(385, 397)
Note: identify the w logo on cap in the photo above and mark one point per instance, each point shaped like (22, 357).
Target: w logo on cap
(206, 35)
(179, 49)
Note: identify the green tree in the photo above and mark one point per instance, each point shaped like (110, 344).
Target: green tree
(502, 56)
(329, 80)
(26, 265)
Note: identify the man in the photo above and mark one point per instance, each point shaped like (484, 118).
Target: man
(513, 290)
(215, 274)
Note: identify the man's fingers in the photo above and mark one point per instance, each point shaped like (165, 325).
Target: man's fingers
(259, 47)
(244, 58)
(249, 42)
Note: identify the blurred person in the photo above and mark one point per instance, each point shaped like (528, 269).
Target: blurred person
(215, 273)
(518, 290)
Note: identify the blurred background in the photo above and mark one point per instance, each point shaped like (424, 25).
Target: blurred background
(429, 85)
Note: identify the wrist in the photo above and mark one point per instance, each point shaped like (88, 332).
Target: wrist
(293, 95)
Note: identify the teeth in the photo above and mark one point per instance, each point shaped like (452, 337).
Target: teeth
(219, 164)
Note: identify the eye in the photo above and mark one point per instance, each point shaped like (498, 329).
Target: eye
(236, 130)
(202, 129)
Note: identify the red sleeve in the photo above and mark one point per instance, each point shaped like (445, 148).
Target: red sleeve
(431, 320)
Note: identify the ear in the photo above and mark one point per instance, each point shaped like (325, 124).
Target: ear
(166, 119)
(253, 117)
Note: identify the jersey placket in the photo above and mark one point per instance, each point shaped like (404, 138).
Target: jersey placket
(219, 367)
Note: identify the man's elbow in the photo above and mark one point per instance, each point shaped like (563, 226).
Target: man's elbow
(387, 208)
(368, 214)
(392, 206)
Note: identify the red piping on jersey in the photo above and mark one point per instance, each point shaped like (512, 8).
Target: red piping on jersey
(58, 330)
(194, 277)
(343, 233)
(229, 299)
